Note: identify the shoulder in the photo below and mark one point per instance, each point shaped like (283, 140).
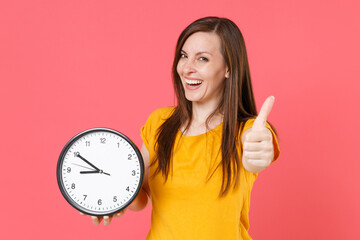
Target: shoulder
(246, 125)
(153, 122)
(162, 113)
(158, 116)
(249, 123)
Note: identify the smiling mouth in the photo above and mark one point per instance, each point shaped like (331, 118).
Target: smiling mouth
(193, 82)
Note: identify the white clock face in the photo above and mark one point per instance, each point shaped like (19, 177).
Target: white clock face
(100, 172)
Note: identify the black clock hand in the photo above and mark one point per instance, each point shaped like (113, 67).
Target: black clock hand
(83, 172)
(100, 171)
(78, 155)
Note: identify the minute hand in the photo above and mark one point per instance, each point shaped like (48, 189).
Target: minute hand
(88, 162)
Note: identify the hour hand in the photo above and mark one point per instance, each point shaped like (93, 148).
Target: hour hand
(82, 158)
(85, 172)
(100, 171)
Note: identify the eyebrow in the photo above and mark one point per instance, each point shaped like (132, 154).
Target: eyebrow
(198, 53)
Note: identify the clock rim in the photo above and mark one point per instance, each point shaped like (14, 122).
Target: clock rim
(62, 186)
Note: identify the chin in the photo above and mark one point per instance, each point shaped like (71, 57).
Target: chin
(193, 97)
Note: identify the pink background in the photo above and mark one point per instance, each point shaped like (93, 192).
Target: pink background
(69, 65)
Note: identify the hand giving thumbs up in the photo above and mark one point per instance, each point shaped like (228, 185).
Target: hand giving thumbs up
(258, 149)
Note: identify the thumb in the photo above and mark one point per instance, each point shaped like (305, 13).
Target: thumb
(260, 121)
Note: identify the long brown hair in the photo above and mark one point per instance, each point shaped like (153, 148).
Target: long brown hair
(237, 104)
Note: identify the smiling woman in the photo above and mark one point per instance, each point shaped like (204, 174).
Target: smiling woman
(202, 156)
(202, 69)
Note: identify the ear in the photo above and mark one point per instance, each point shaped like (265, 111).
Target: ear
(227, 73)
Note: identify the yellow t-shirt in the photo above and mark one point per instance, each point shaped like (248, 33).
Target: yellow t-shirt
(187, 206)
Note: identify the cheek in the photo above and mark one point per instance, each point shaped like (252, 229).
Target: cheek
(179, 68)
(217, 78)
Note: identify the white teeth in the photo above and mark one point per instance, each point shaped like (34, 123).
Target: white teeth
(192, 81)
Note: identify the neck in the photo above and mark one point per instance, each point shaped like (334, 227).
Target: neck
(201, 112)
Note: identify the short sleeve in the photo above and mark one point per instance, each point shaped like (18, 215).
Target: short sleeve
(154, 121)
(146, 131)
(249, 124)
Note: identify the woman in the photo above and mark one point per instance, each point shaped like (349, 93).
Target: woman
(203, 155)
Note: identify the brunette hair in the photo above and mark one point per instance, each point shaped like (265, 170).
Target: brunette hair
(237, 103)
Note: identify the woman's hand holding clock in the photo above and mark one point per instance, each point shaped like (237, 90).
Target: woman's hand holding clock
(107, 219)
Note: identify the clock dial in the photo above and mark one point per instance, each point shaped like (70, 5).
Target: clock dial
(100, 172)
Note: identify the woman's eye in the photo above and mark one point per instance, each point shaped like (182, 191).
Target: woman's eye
(182, 55)
(204, 59)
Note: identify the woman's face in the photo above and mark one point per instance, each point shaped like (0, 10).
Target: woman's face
(202, 68)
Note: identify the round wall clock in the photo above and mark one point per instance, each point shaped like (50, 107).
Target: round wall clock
(100, 171)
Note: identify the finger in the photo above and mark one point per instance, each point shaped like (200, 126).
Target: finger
(107, 220)
(258, 155)
(258, 136)
(82, 214)
(260, 121)
(254, 146)
(254, 155)
(119, 214)
(259, 163)
(96, 220)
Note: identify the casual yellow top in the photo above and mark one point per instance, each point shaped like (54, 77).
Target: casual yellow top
(187, 206)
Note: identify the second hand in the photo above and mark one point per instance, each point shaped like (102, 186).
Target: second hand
(82, 166)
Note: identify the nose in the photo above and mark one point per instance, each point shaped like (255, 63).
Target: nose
(189, 66)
